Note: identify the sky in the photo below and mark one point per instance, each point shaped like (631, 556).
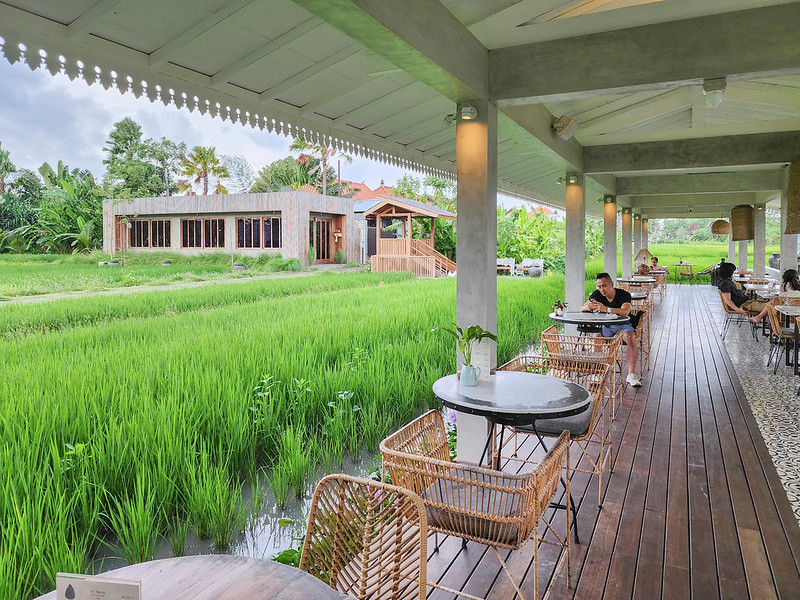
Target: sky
(47, 119)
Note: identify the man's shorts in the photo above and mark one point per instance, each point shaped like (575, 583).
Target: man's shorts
(611, 330)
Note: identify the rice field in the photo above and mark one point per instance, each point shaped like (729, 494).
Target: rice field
(37, 274)
(133, 419)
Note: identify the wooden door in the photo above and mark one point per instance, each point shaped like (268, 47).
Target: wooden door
(321, 239)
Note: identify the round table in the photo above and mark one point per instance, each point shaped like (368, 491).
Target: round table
(638, 296)
(222, 577)
(589, 318)
(638, 280)
(513, 397)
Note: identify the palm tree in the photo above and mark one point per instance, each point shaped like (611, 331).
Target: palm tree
(201, 164)
(6, 168)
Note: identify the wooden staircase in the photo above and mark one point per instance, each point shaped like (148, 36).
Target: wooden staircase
(443, 266)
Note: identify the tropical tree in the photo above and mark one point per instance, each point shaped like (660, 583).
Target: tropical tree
(21, 198)
(407, 186)
(202, 164)
(69, 216)
(6, 168)
(137, 167)
(283, 173)
(323, 154)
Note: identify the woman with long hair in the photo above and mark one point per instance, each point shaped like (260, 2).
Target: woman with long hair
(789, 287)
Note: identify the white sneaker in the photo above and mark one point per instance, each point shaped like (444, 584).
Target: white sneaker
(633, 380)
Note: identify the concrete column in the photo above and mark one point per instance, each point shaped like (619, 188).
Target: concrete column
(476, 246)
(731, 248)
(575, 269)
(637, 234)
(742, 254)
(645, 233)
(610, 236)
(760, 241)
(627, 257)
(788, 242)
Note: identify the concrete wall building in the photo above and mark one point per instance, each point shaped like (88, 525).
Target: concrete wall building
(288, 223)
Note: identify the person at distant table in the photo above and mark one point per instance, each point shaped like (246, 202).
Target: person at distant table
(790, 287)
(733, 297)
(614, 301)
(654, 264)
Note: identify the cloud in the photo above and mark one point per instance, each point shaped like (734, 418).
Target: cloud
(47, 119)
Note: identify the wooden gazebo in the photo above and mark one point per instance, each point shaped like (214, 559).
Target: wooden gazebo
(397, 249)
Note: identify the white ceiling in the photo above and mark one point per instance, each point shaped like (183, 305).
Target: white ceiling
(372, 89)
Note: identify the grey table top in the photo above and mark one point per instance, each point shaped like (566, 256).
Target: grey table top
(637, 280)
(589, 318)
(514, 397)
(789, 311)
(638, 296)
(222, 577)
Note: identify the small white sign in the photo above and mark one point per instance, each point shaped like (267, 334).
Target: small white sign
(88, 587)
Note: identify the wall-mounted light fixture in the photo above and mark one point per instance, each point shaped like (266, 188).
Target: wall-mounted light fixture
(636, 217)
(713, 90)
(468, 112)
(570, 179)
(626, 211)
(608, 199)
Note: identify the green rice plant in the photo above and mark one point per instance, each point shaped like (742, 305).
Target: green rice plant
(177, 532)
(133, 520)
(293, 458)
(213, 499)
(279, 483)
(23, 320)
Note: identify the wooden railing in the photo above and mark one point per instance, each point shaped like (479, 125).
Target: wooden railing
(444, 265)
(392, 246)
(421, 266)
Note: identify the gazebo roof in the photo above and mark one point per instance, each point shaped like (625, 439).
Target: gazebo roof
(413, 207)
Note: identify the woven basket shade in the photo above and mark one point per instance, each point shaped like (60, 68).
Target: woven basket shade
(743, 223)
(793, 198)
(720, 226)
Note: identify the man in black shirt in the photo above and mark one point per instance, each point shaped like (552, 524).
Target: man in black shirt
(732, 296)
(614, 301)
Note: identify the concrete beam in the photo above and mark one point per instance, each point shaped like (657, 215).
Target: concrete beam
(421, 37)
(697, 201)
(537, 121)
(744, 44)
(701, 183)
(765, 149)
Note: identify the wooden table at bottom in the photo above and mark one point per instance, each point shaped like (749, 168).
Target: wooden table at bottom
(221, 577)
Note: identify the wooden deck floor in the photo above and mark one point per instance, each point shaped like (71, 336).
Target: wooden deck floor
(694, 507)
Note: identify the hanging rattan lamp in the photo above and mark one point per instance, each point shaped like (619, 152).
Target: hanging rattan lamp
(793, 198)
(743, 223)
(720, 227)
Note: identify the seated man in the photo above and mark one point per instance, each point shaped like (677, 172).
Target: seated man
(614, 301)
(732, 296)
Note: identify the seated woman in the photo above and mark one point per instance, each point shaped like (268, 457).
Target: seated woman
(733, 297)
(789, 287)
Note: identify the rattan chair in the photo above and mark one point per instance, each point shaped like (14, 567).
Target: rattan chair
(730, 317)
(589, 430)
(501, 510)
(367, 539)
(608, 351)
(781, 337)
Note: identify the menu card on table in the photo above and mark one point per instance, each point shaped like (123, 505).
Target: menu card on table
(70, 586)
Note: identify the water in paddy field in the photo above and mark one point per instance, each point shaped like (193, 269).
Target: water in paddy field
(263, 535)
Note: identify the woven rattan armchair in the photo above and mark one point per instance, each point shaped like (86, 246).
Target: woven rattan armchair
(731, 316)
(563, 347)
(490, 507)
(590, 430)
(780, 338)
(367, 539)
